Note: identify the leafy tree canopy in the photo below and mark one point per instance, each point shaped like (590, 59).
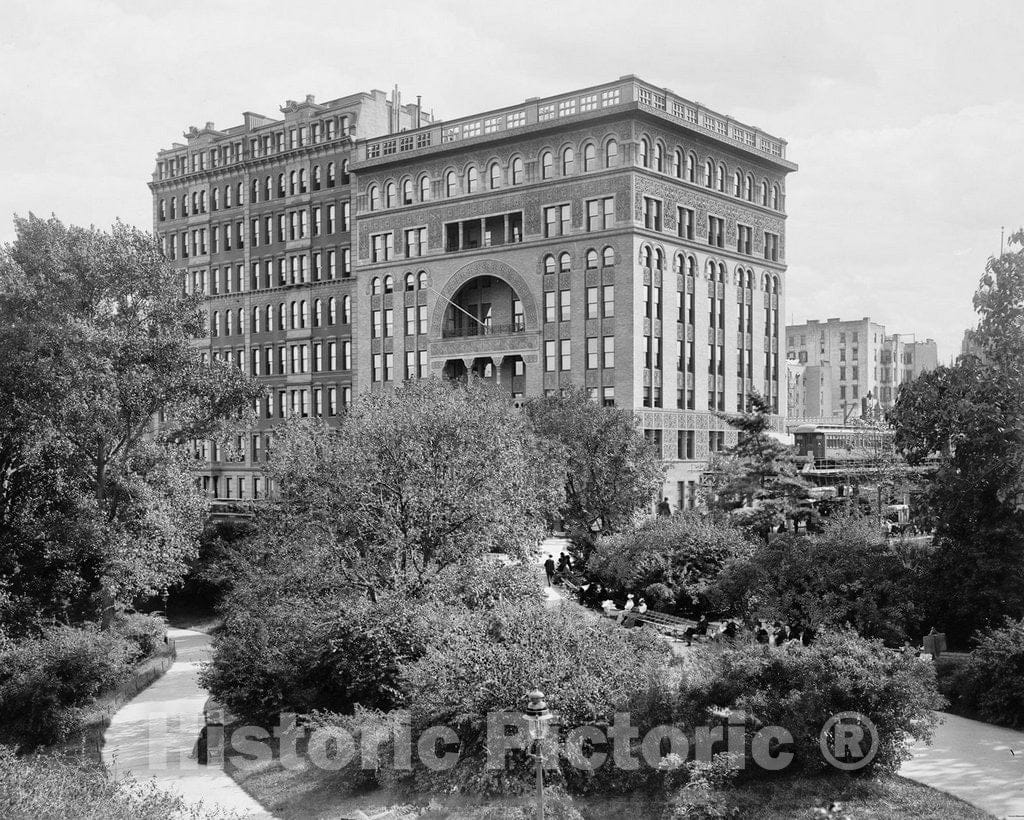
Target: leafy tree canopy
(610, 470)
(97, 503)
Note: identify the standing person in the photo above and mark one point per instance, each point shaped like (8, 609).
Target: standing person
(664, 508)
(627, 608)
(642, 606)
(563, 562)
(549, 569)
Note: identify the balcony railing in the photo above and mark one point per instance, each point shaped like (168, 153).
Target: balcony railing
(450, 330)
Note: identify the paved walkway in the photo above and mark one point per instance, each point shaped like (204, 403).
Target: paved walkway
(977, 762)
(154, 735)
(554, 546)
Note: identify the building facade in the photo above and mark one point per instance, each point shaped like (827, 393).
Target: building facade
(619, 238)
(851, 369)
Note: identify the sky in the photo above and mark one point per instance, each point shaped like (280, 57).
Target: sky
(906, 118)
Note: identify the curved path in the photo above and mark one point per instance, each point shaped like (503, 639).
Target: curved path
(977, 762)
(154, 735)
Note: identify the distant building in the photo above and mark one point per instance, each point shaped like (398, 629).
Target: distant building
(971, 345)
(850, 369)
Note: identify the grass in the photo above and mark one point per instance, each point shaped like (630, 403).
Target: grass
(314, 794)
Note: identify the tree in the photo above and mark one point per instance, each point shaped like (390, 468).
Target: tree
(683, 552)
(415, 479)
(756, 483)
(103, 391)
(970, 417)
(845, 574)
(610, 470)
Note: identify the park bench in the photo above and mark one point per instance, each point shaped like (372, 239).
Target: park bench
(671, 624)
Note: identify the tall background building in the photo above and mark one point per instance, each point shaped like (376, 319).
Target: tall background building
(842, 370)
(618, 237)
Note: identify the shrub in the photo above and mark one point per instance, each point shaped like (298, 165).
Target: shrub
(45, 682)
(993, 680)
(800, 687)
(57, 787)
(683, 553)
(487, 661)
(700, 798)
(145, 631)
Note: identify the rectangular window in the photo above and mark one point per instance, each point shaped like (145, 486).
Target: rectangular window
(415, 242)
(771, 246)
(383, 247)
(609, 301)
(652, 213)
(549, 357)
(716, 231)
(565, 357)
(556, 220)
(593, 354)
(592, 303)
(684, 222)
(550, 314)
(601, 214)
(609, 352)
(743, 239)
(565, 305)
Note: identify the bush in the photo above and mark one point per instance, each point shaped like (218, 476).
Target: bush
(992, 683)
(33, 788)
(45, 682)
(682, 553)
(145, 631)
(800, 687)
(488, 661)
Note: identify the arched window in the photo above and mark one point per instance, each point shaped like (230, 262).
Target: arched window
(410, 281)
(645, 152)
(775, 197)
(568, 161)
(472, 180)
(389, 284)
(332, 307)
(518, 171)
(269, 324)
(215, 200)
(374, 197)
(494, 176)
(227, 196)
(184, 205)
(721, 272)
(375, 286)
(389, 195)
(659, 156)
(317, 181)
(564, 262)
(764, 192)
(691, 267)
(346, 309)
(611, 154)
(549, 264)
(330, 174)
(421, 280)
(257, 316)
(407, 191)
(748, 188)
(241, 320)
(318, 307)
(344, 172)
(589, 157)
(720, 179)
(216, 323)
(163, 209)
(267, 189)
(546, 165)
(239, 190)
(659, 259)
(304, 314)
(591, 259)
(709, 174)
(691, 168)
(449, 184)
(295, 315)
(292, 183)
(282, 316)
(174, 207)
(647, 256)
(677, 163)
(737, 184)
(302, 180)
(424, 188)
(608, 257)
(202, 202)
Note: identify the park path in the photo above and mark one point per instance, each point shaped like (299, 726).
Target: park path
(977, 762)
(153, 736)
(554, 546)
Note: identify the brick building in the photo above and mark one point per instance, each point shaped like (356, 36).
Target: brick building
(617, 237)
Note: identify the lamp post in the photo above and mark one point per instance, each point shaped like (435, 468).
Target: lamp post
(538, 716)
